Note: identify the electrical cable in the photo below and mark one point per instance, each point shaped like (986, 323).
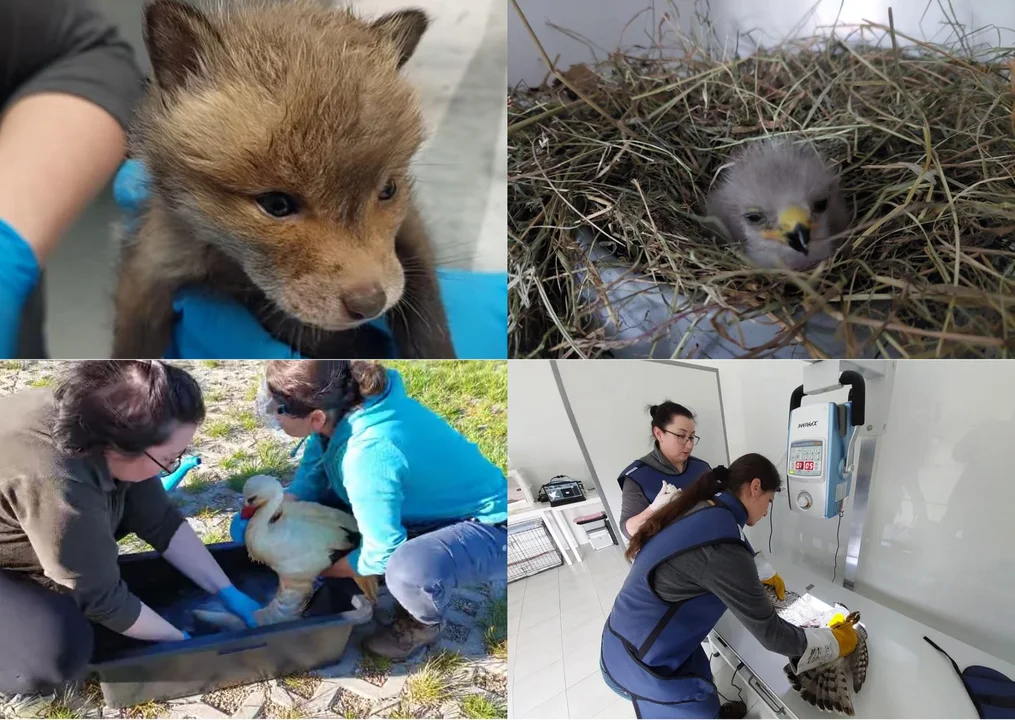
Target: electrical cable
(740, 693)
(771, 527)
(835, 565)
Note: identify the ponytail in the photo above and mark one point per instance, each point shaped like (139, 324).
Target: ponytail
(743, 470)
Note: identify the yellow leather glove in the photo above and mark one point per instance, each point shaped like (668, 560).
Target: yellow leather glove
(777, 584)
(845, 634)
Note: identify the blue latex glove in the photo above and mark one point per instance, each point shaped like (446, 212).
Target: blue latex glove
(210, 326)
(238, 529)
(186, 635)
(19, 272)
(239, 604)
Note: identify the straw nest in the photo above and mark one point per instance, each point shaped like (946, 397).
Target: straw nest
(923, 137)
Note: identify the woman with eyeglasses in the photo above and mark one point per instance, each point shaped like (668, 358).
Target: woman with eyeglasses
(651, 482)
(431, 509)
(81, 467)
(691, 562)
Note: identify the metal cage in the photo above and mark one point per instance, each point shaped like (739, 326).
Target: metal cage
(531, 550)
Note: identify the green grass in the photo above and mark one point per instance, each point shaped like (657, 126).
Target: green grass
(471, 395)
(235, 460)
(446, 662)
(213, 395)
(478, 706)
(375, 663)
(197, 483)
(427, 687)
(495, 637)
(251, 394)
(10, 364)
(146, 711)
(216, 534)
(211, 363)
(218, 428)
(44, 381)
(245, 419)
(58, 710)
(271, 457)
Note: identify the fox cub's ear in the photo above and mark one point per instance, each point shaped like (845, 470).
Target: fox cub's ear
(178, 37)
(404, 28)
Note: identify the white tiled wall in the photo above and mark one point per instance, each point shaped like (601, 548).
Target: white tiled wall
(939, 545)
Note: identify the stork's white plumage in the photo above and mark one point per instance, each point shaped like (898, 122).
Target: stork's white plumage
(298, 540)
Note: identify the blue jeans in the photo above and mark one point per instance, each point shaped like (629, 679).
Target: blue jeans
(423, 571)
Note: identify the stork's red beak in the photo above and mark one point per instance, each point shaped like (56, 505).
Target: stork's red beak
(247, 512)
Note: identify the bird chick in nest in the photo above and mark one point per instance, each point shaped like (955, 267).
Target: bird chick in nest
(828, 686)
(299, 541)
(781, 204)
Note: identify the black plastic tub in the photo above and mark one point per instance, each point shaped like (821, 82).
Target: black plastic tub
(132, 672)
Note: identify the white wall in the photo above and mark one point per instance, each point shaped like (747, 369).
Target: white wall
(609, 24)
(541, 443)
(610, 398)
(939, 544)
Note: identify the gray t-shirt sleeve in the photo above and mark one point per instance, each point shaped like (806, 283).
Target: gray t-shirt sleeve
(728, 571)
(68, 47)
(632, 502)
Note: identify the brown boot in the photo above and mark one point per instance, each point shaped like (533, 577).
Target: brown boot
(403, 638)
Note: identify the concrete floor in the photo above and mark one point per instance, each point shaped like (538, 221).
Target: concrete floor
(555, 624)
(460, 71)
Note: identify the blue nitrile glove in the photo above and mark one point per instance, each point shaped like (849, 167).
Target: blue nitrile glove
(19, 272)
(239, 604)
(238, 528)
(186, 635)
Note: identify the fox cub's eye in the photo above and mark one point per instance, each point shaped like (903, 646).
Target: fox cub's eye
(278, 204)
(389, 190)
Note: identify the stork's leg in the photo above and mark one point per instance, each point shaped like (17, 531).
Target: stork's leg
(368, 584)
(289, 601)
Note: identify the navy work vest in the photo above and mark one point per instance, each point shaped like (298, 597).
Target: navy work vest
(647, 642)
(651, 480)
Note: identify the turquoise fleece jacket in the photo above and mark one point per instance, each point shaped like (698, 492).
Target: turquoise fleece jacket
(397, 463)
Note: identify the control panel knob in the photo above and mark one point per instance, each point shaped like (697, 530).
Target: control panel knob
(804, 500)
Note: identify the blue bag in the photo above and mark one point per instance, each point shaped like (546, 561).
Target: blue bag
(992, 692)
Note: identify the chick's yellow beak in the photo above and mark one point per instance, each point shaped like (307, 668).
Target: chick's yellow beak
(793, 217)
(795, 224)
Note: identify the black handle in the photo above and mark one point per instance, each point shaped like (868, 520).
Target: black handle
(796, 398)
(857, 394)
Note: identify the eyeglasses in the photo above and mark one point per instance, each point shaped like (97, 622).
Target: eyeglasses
(685, 439)
(172, 466)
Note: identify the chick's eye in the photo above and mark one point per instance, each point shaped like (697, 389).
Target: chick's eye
(754, 218)
(389, 190)
(821, 205)
(278, 204)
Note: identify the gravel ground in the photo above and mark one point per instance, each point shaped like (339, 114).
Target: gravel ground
(464, 677)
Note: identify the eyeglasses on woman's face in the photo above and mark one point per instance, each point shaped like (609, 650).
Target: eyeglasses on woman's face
(170, 467)
(683, 438)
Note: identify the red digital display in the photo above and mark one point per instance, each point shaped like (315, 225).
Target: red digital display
(809, 465)
(799, 465)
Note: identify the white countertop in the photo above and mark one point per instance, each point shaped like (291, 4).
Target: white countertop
(591, 496)
(906, 677)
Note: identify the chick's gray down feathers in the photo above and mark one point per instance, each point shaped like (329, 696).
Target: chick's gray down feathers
(828, 686)
(772, 187)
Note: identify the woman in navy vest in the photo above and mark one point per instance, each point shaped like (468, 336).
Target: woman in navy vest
(651, 482)
(692, 562)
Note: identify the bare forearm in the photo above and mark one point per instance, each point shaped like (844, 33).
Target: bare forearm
(152, 626)
(56, 152)
(634, 523)
(190, 556)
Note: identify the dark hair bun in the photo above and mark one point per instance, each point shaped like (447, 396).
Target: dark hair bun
(721, 473)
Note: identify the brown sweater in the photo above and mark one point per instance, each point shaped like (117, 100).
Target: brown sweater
(60, 517)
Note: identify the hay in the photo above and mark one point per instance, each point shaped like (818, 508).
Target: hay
(923, 137)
